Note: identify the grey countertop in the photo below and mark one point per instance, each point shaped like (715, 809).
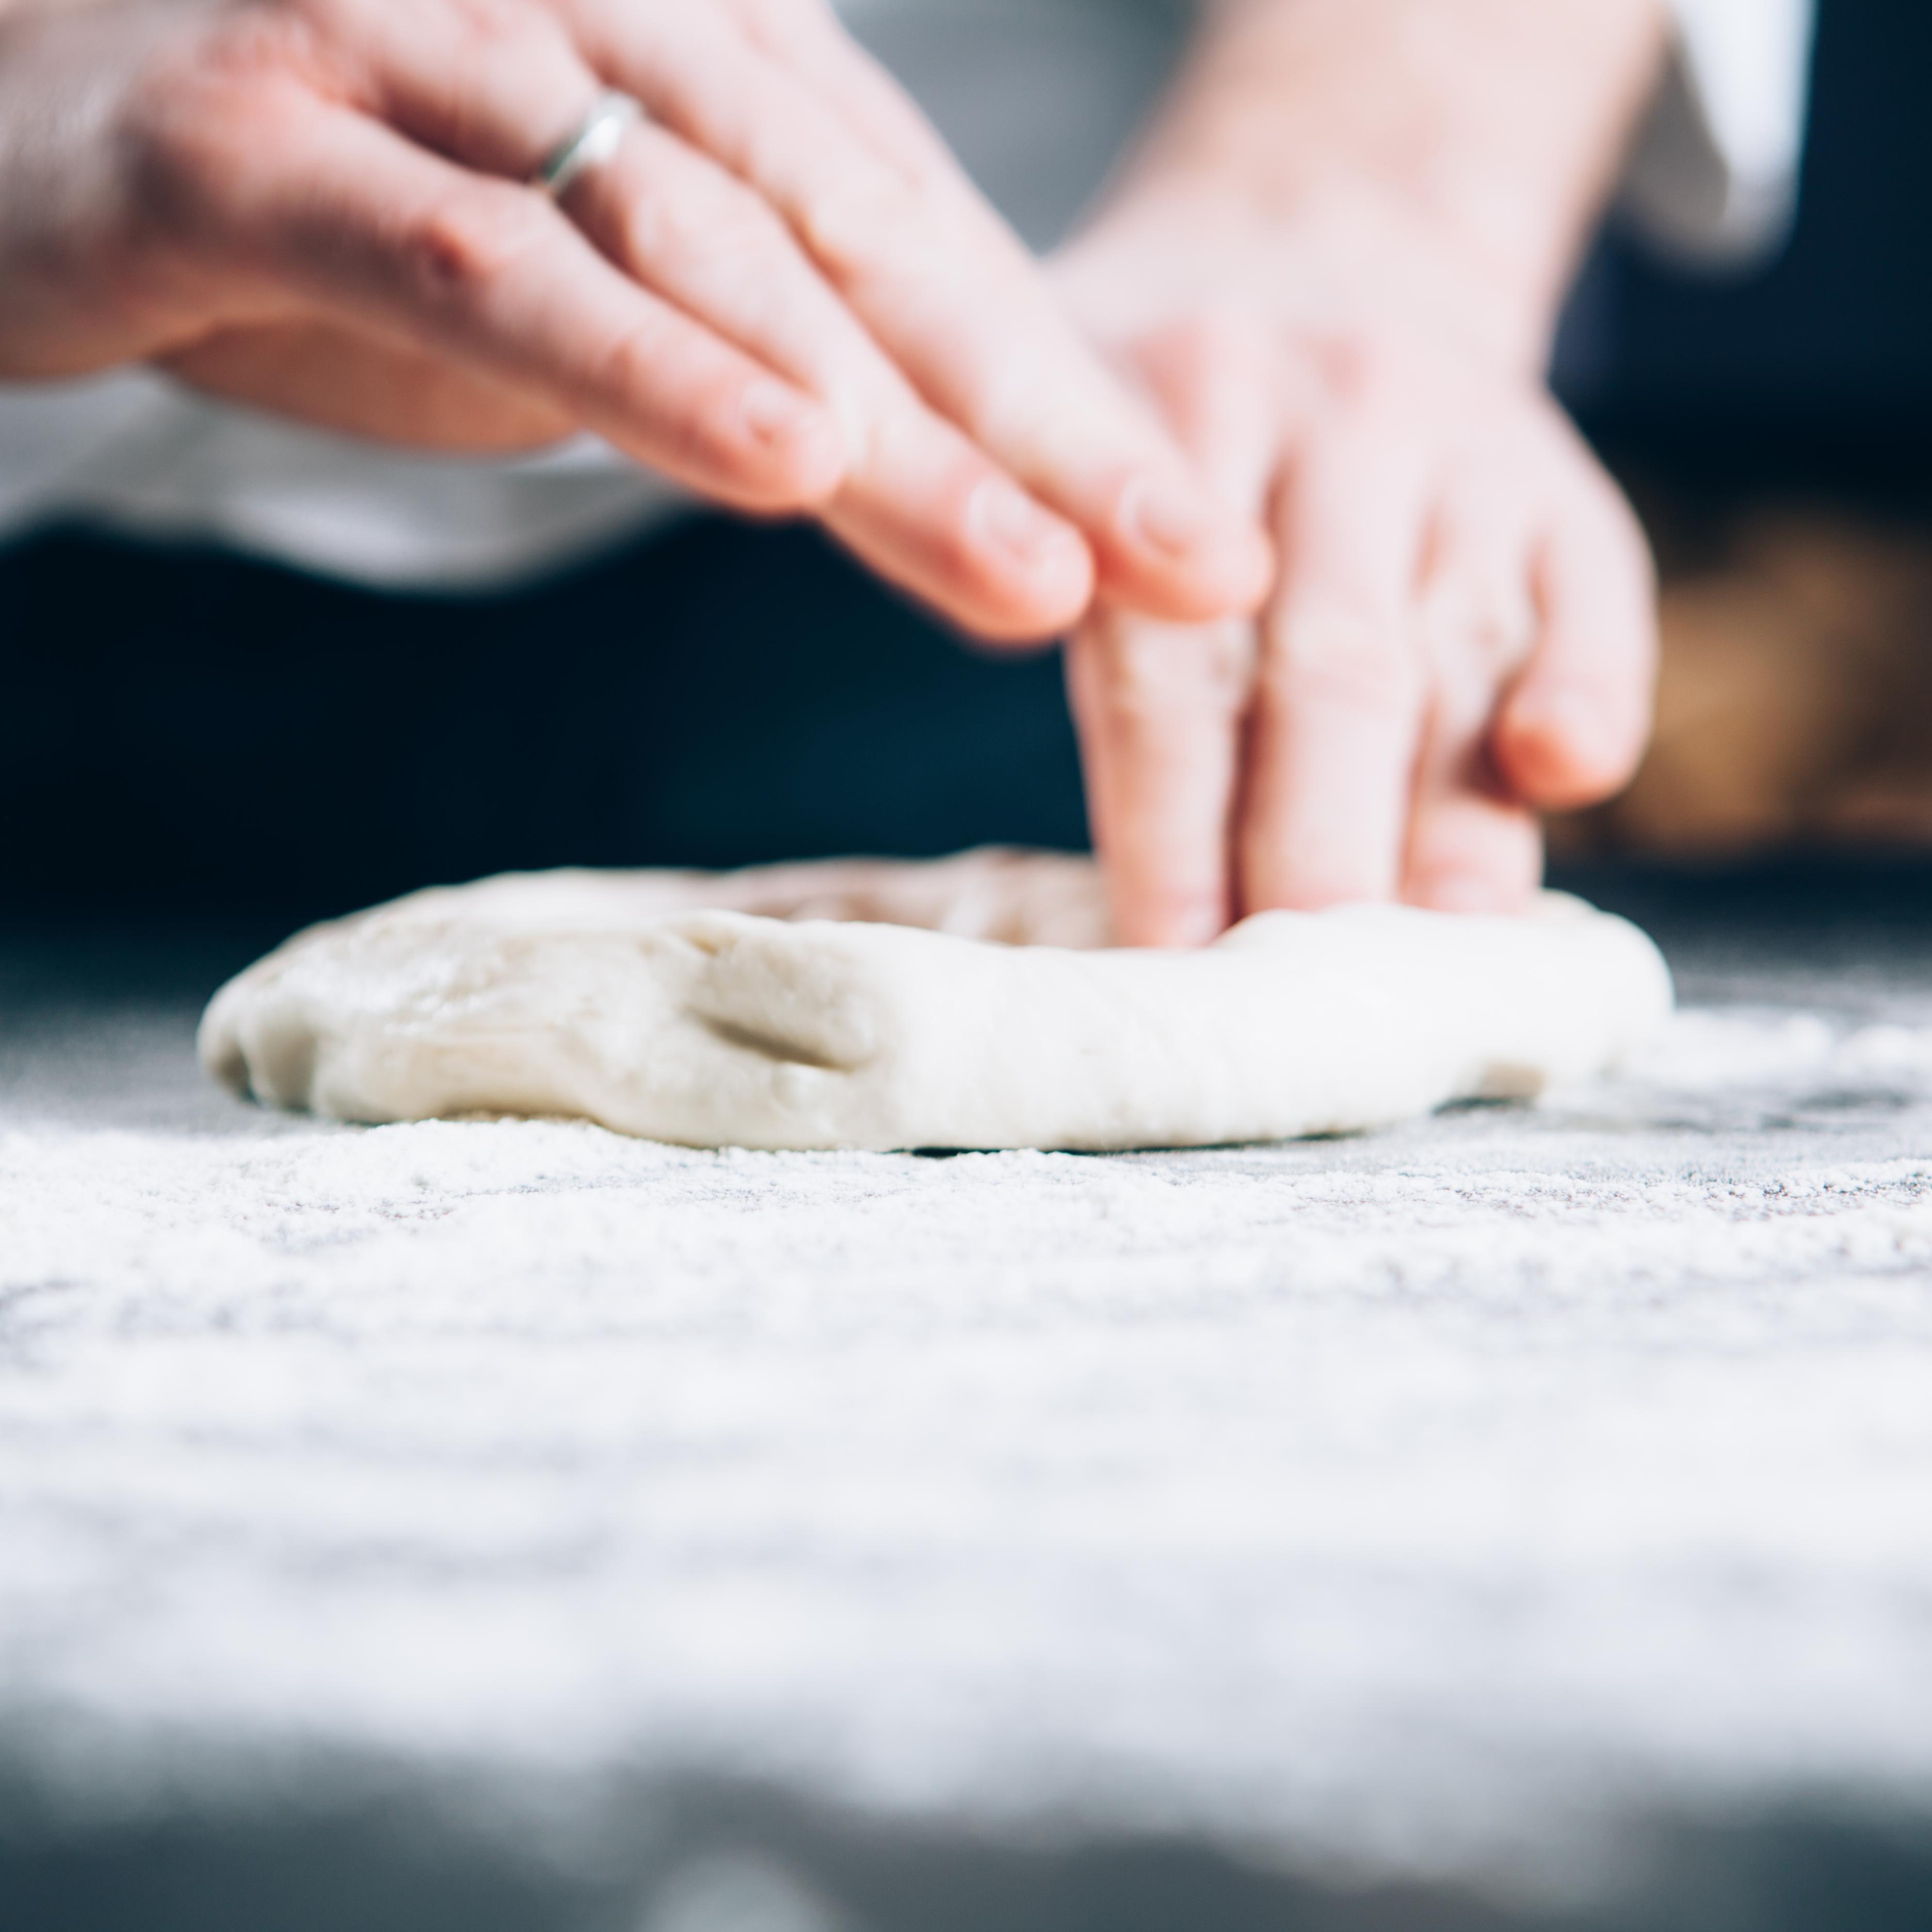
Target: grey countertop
(1522, 1519)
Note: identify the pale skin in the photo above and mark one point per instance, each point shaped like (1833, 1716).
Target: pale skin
(782, 293)
(1352, 601)
(1370, 209)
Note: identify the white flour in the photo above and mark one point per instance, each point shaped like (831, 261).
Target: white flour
(1398, 1500)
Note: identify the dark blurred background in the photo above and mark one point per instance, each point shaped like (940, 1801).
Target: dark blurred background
(186, 730)
(1814, 370)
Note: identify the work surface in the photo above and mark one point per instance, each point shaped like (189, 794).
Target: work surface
(1523, 1518)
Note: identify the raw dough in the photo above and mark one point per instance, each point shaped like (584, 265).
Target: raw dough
(770, 1010)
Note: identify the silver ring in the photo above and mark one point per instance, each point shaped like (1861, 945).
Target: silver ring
(594, 141)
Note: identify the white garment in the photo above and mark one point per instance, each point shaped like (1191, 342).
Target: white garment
(1038, 95)
(1715, 176)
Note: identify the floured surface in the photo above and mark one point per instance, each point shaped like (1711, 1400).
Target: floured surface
(969, 1004)
(1415, 1499)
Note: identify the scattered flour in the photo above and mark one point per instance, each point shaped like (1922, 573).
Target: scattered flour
(1393, 1498)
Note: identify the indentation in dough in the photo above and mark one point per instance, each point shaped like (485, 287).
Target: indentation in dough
(284, 1062)
(770, 1046)
(617, 998)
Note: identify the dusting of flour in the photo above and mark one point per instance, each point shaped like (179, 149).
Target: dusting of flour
(1389, 1497)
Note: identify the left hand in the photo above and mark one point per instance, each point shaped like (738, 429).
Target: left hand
(780, 290)
(1462, 634)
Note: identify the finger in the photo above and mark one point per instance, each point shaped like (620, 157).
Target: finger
(929, 513)
(1160, 708)
(921, 503)
(500, 100)
(1338, 707)
(378, 233)
(1470, 847)
(1574, 726)
(950, 294)
(361, 385)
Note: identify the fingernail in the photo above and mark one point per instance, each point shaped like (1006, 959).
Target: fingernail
(1016, 524)
(1168, 516)
(773, 413)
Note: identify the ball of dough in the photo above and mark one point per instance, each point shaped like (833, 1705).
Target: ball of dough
(970, 1004)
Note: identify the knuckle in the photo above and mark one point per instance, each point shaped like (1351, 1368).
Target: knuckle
(1358, 370)
(190, 130)
(493, 48)
(1356, 661)
(697, 414)
(463, 246)
(630, 364)
(174, 161)
(1151, 676)
(1223, 338)
(1211, 360)
(1376, 389)
(203, 109)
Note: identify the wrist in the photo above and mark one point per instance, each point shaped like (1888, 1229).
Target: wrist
(1441, 161)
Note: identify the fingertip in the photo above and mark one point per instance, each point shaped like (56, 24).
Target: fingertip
(968, 543)
(795, 444)
(1032, 576)
(1174, 551)
(1562, 747)
(1007, 633)
(1181, 923)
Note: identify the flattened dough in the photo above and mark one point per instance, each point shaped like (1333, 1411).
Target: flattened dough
(973, 1003)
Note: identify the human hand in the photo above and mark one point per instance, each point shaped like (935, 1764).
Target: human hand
(1462, 634)
(781, 292)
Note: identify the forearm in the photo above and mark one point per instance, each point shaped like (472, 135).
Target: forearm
(1473, 140)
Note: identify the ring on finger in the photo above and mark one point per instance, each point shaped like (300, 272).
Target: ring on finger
(592, 143)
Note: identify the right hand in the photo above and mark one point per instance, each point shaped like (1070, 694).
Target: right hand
(783, 292)
(1463, 632)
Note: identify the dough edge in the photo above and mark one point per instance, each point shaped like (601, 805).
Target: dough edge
(637, 1001)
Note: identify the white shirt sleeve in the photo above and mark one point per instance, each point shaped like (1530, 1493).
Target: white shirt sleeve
(1714, 177)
